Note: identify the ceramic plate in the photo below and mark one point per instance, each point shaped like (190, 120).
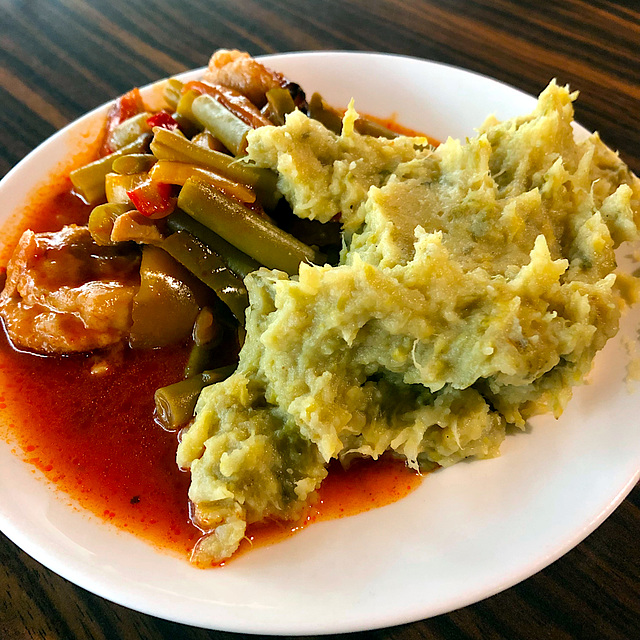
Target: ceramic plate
(466, 533)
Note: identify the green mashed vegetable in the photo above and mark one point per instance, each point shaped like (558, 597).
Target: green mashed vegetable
(475, 285)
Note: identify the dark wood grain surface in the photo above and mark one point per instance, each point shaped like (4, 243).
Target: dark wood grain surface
(58, 59)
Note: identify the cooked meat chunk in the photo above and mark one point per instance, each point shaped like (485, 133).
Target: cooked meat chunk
(239, 71)
(64, 293)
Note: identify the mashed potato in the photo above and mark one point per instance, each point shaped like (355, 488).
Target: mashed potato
(475, 286)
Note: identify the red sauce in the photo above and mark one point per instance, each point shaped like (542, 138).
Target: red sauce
(94, 436)
(367, 484)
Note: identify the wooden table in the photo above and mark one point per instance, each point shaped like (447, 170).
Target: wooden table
(60, 58)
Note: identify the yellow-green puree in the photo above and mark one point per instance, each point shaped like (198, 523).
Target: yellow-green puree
(475, 285)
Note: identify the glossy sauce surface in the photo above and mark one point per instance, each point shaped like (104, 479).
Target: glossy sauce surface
(95, 438)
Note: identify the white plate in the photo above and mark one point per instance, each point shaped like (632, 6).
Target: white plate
(465, 534)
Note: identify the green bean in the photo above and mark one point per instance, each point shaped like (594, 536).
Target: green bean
(101, 221)
(266, 188)
(88, 181)
(176, 402)
(332, 119)
(241, 335)
(319, 110)
(129, 130)
(209, 267)
(366, 127)
(207, 334)
(280, 104)
(199, 358)
(246, 230)
(183, 107)
(133, 163)
(223, 124)
(169, 145)
(172, 92)
(240, 263)
(205, 140)
(205, 329)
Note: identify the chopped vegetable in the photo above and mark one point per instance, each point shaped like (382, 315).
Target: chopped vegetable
(102, 219)
(319, 110)
(168, 292)
(205, 140)
(232, 100)
(164, 120)
(117, 186)
(88, 181)
(175, 403)
(172, 92)
(122, 109)
(171, 145)
(240, 263)
(127, 131)
(223, 124)
(251, 233)
(207, 334)
(132, 226)
(153, 199)
(280, 104)
(209, 267)
(179, 172)
(133, 163)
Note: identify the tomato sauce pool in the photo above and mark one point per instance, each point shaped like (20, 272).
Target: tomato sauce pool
(95, 438)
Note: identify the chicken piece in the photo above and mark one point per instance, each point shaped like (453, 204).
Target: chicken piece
(64, 293)
(238, 70)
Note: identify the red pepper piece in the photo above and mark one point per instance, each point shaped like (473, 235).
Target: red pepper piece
(153, 199)
(164, 120)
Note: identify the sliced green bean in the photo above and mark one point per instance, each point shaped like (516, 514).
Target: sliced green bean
(88, 181)
(332, 119)
(134, 163)
(246, 230)
(280, 104)
(241, 336)
(176, 402)
(223, 124)
(322, 112)
(199, 358)
(172, 92)
(205, 329)
(207, 334)
(240, 263)
(184, 105)
(101, 221)
(209, 267)
(366, 127)
(205, 140)
(129, 130)
(170, 145)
